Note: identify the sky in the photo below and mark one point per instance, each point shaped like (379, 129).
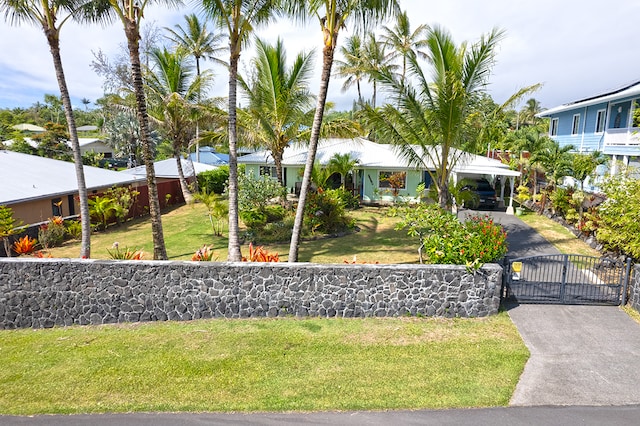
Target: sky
(575, 48)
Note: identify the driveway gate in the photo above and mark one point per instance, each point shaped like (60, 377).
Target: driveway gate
(567, 279)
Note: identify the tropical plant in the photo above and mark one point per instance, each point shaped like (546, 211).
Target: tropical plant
(260, 254)
(214, 181)
(102, 210)
(124, 198)
(404, 43)
(51, 233)
(201, 44)
(173, 92)
(343, 164)
(376, 60)
(443, 239)
(428, 120)
(125, 254)
(217, 209)
(333, 16)
(47, 15)
(278, 99)
(326, 213)
(204, 254)
(131, 13)
(529, 111)
(25, 245)
(73, 229)
(238, 19)
(556, 161)
(351, 67)
(8, 227)
(257, 192)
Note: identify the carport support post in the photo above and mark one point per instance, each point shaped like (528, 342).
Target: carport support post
(511, 183)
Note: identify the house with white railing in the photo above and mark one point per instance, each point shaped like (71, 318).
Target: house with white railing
(609, 123)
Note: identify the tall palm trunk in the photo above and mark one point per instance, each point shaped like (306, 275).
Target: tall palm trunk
(327, 62)
(234, 239)
(133, 39)
(54, 47)
(277, 160)
(184, 187)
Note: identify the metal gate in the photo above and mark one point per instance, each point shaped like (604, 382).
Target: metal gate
(567, 279)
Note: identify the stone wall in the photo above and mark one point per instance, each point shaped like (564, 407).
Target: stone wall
(47, 292)
(634, 288)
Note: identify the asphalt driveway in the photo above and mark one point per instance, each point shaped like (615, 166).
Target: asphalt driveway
(580, 355)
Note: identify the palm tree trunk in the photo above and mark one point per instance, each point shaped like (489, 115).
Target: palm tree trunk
(54, 46)
(133, 38)
(234, 230)
(184, 187)
(327, 62)
(277, 159)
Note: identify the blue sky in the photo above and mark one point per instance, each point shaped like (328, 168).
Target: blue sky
(575, 48)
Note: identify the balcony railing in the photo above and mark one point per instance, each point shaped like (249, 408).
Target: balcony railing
(627, 136)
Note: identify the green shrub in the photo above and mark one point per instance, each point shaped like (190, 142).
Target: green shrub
(214, 181)
(73, 229)
(443, 239)
(274, 212)
(618, 226)
(51, 234)
(350, 201)
(258, 192)
(325, 213)
(254, 218)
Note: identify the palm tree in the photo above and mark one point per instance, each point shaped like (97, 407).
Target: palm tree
(130, 13)
(278, 98)
(342, 164)
(556, 161)
(428, 120)
(45, 14)
(238, 18)
(173, 94)
(333, 16)
(352, 67)
(403, 42)
(529, 111)
(375, 60)
(200, 43)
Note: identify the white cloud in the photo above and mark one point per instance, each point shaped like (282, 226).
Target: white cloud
(576, 48)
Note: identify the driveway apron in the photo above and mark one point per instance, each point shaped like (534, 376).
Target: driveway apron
(580, 355)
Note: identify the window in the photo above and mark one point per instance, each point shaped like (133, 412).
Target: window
(575, 126)
(269, 171)
(600, 117)
(553, 130)
(56, 206)
(385, 179)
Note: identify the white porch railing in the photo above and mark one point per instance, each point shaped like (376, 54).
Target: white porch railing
(626, 136)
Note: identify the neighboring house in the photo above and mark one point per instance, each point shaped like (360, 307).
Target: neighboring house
(602, 123)
(86, 144)
(375, 163)
(208, 155)
(37, 188)
(169, 191)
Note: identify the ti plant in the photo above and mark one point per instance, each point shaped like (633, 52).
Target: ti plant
(260, 254)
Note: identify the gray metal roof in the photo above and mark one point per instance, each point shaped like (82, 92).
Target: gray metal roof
(629, 90)
(169, 169)
(27, 177)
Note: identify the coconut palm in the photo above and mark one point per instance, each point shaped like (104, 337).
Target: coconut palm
(376, 59)
(201, 44)
(351, 67)
(342, 164)
(130, 13)
(46, 14)
(427, 119)
(528, 113)
(238, 18)
(403, 42)
(173, 92)
(333, 16)
(278, 98)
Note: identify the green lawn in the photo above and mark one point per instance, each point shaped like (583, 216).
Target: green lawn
(187, 228)
(261, 365)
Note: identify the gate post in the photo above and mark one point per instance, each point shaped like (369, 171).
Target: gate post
(625, 287)
(564, 277)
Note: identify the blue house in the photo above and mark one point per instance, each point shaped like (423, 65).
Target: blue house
(602, 123)
(209, 156)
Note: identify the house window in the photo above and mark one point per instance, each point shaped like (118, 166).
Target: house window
(553, 130)
(385, 179)
(269, 171)
(600, 117)
(56, 206)
(575, 126)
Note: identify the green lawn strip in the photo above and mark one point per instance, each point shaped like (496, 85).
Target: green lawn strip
(187, 228)
(558, 235)
(261, 365)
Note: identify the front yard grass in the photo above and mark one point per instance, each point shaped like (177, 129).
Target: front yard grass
(187, 228)
(261, 365)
